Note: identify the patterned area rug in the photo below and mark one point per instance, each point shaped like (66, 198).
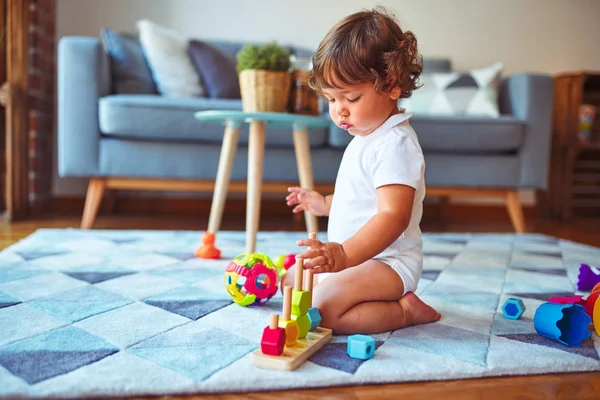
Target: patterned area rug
(107, 313)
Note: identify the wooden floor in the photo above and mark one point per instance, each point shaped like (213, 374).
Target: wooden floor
(573, 386)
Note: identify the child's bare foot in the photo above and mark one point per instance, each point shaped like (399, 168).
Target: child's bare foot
(416, 311)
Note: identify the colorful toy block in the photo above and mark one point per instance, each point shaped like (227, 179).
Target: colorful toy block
(565, 323)
(300, 302)
(303, 325)
(565, 299)
(513, 308)
(273, 338)
(291, 327)
(588, 277)
(361, 347)
(315, 318)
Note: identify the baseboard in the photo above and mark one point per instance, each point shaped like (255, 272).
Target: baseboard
(269, 207)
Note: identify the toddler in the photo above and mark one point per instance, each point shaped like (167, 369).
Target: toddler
(370, 267)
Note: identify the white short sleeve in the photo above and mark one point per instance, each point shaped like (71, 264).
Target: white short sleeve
(396, 160)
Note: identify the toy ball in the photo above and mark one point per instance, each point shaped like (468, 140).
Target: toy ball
(252, 279)
(285, 262)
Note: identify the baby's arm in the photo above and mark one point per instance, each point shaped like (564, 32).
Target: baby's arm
(394, 209)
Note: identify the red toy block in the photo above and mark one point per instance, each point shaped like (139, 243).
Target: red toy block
(589, 302)
(273, 338)
(565, 299)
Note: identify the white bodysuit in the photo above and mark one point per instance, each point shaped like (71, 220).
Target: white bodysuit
(391, 154)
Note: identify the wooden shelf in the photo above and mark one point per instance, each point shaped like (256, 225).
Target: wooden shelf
(574, 178)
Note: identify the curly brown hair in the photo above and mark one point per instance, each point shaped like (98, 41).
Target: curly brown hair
(368, 46)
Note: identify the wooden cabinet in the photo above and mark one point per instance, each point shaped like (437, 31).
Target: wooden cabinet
(574, 177)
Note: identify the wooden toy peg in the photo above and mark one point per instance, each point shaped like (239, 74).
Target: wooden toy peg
(299, 273)
(287, 303)
(273, 324)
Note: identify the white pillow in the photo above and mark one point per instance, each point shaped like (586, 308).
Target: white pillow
(169, 62)
(473, 92)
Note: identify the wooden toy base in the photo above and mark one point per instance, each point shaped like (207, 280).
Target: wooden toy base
(294, 356)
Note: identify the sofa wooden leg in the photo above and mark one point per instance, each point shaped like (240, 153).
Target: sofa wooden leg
(92, 202)
(515, 210)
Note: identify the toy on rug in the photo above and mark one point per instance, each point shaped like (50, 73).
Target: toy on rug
(273, 338)
(208, 249)
(565, 323)
(566, 300)
(513, 308)
(300, 321)
(361, 347)
(251, 279)
(588, 277)
(285, 262)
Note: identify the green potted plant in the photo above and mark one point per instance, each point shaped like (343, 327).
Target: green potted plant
(264, 77)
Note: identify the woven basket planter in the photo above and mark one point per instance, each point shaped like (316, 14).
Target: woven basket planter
(264, 90)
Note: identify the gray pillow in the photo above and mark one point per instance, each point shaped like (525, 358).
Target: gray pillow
(130, 71)
(216, 70)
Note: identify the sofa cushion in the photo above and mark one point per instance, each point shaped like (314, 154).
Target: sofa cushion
(147, 117)
(216, 69)
(472, 92)
(467, 134)
(433, 64)
(169, 61)
(129, 67)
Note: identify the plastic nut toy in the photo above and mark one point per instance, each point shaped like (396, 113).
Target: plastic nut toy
(513, 308)
(273, 338)
(361, 347)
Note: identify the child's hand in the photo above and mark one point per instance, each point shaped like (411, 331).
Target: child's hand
(323, 257)
(305, 199)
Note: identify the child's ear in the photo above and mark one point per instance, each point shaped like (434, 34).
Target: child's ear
(395, 93)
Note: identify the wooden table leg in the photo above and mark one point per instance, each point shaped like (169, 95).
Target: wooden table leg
(302, 148)
(230, 141)
(256, 153)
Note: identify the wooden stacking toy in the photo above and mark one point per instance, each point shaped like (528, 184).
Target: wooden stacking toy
(302, 340)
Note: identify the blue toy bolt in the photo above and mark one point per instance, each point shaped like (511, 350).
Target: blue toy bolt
(513, 308)
(361, 346)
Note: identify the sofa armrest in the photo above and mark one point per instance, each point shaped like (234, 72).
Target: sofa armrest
(83, 77)
(529, 97)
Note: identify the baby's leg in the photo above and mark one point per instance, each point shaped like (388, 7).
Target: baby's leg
(368, 299)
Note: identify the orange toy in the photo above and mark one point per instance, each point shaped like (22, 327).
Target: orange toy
(208, 249)
(596, 288)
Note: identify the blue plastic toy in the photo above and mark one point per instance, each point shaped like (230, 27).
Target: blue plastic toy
(315, 317)
(361, 346)
(565, 323)
(513, 308)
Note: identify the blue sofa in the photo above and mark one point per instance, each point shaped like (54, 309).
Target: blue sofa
(151, 142)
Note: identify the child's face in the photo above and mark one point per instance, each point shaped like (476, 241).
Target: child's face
(358, 109)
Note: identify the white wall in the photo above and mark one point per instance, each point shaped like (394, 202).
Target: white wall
(526, 35)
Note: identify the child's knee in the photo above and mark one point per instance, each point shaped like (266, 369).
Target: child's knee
(288, 278)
